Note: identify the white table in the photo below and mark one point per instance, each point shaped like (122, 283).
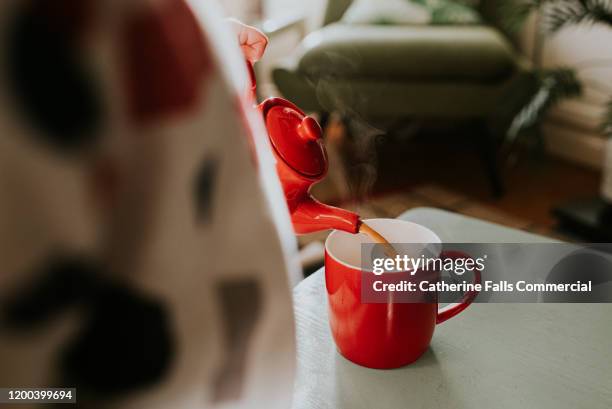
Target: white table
(490, 356)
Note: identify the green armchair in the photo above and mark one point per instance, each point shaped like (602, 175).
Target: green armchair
(382, 72)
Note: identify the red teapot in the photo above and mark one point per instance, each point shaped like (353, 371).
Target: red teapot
(301, 161)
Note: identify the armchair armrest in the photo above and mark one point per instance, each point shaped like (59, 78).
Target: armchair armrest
(275, 26)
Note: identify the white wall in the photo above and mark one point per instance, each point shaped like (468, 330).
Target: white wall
(253, 11)
(572, 131)
(312, 10)
(248, 11)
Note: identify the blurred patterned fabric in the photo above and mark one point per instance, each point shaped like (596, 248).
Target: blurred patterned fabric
(147, 253)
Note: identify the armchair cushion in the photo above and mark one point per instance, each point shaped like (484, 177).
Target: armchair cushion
(386, 12)
(408, 53)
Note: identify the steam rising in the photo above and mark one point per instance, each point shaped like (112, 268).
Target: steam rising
(332, 83)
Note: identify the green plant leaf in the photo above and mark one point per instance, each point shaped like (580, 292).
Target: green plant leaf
(554, 86)
(557, 14)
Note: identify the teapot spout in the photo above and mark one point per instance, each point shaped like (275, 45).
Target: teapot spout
(312, 215)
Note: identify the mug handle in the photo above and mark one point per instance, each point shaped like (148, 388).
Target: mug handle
(455, 308)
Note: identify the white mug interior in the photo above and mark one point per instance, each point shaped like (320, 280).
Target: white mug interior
(346, 247)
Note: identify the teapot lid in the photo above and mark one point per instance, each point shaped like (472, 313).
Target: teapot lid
(296, 137)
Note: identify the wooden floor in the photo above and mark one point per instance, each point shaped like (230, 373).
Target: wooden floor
(449, 166)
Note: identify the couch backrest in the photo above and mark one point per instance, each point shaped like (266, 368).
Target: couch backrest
(489, 9)
(492, 11)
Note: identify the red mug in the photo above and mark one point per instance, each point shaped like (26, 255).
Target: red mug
(381, 335)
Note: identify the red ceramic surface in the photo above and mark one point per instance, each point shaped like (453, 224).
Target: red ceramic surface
(297, 143)
(382, 335)
(297, 139)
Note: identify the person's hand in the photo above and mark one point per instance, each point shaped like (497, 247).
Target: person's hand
(252, 41)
